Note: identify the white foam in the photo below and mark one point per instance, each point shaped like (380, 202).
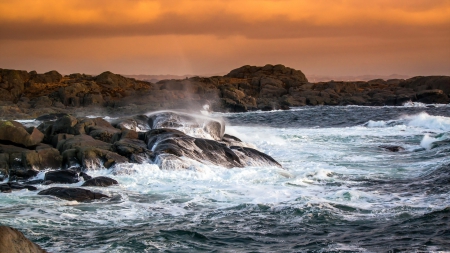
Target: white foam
(426, 121)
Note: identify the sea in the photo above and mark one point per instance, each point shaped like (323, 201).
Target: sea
(340, 189)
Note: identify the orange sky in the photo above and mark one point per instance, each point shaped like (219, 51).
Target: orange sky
(322, 37)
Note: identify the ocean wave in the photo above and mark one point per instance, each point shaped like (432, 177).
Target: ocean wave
(421, 120)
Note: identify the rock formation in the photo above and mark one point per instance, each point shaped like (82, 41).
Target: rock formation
(68, 146)
(28, 94)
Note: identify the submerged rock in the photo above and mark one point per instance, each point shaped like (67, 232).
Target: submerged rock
(392, 148)
(70, 194)
(100, 181)
(13, 241)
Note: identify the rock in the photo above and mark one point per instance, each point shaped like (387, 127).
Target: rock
(392, 148)
(13, 241)
(62, 176)
(82, 140)
(64, 124)
(14, 132)
(432, 97)
(100, 181)
(41, 102)
(187, 123)
(10, 186)
(253, 157)
(94, 158)
(134, 149)
(169, 141)
(22, 162)
(71, 194)
(48, 77)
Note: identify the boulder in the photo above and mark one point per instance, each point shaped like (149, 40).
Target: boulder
(94, 158)
(134, 149)
(82, 140)
(169, 141)
(22, 162)
(62, 176)
(100, 181)
(13, 241)
(187, 123)
(64, 124)
(14, 132)
(71, 194)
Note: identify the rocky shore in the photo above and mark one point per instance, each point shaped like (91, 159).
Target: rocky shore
(29, 94)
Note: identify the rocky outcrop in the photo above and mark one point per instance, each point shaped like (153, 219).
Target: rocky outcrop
(100, 181)
(28, 94)
(77, 194)
(13, 241)
(166, 138)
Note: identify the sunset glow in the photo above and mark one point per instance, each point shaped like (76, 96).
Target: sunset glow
(207, 37)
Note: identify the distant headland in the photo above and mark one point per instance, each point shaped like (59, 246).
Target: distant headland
(271, 87)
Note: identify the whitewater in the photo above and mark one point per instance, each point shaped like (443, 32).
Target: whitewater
(340, 190)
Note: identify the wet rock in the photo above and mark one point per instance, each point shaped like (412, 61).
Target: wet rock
(168, 145)
(62, 176)
(392, 148)
(134, 149)
(13, 241)
(182, 121)
(93, 158)
(12, 186)
(100, 181)
(24, 163)
(253, 157)
(71, 194)
(169, 141)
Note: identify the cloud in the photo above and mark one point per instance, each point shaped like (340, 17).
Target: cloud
(262, 19)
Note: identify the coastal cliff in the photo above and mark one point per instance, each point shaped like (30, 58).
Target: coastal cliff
(29, 94)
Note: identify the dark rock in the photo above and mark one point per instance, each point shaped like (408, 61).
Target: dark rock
(171, 119)
(62, 176)
(171, 144)
(169, 141)
(85, 176)
(93, 158)
(392, 148)
(13, 241)
(134, 149)
(253, 157)
(64, 124)
(100, 181)
(432, 97)
(71, 194)
(11, 186)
